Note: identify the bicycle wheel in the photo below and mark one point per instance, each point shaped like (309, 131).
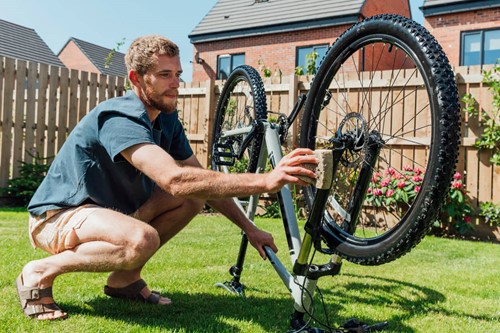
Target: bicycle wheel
(386, 93)
(242, 101)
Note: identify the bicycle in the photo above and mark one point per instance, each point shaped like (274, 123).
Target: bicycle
(358, 111)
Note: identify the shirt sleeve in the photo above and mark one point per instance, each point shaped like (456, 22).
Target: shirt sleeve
(174, 140)
(181, 143)
(118, 132)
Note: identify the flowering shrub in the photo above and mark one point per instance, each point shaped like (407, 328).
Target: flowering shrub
(393, 188)
(457, 211)
(396, 190)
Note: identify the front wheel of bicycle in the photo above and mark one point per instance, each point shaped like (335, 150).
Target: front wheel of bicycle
(386, 95)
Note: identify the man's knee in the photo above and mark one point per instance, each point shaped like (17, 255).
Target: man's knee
(141, 245)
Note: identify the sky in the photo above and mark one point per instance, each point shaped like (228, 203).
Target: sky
(109, 22)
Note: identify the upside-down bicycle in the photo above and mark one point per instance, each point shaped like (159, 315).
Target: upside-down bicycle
(383, 102)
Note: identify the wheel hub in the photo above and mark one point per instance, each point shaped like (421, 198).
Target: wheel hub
(353, 133)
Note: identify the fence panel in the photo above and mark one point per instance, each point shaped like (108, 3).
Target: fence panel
(41, 104)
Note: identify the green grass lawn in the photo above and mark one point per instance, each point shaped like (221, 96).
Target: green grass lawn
(442, 286)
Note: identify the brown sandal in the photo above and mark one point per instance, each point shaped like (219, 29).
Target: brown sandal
(133, 292)
(30, 294)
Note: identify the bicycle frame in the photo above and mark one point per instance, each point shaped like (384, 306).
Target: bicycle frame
(305, 279)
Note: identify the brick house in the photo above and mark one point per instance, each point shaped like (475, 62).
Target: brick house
(24, 43)
(275, 33)
(85, 56)
(468, 31)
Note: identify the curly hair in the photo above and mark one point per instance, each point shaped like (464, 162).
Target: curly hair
(139, 56)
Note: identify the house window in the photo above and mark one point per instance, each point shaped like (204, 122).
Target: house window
(480, 47)
(226, 64)
(302, 52)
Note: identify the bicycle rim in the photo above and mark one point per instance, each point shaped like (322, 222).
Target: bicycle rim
(242, 101)
(386, 89)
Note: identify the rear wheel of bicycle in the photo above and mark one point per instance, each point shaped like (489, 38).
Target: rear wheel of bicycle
(386, 92)
(242, 101)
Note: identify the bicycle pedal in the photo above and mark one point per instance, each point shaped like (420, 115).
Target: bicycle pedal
(223, 154)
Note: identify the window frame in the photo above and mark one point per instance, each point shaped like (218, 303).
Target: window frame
(312, 46)
(482, 33)
(231, 63)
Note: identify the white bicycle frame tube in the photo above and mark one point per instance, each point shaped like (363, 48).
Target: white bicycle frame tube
(302, 289)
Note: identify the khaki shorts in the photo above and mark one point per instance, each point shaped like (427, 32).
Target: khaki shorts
(54, 230)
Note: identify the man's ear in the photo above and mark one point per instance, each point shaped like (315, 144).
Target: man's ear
(133, 77)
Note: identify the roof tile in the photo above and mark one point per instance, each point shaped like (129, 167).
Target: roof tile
(24, 43)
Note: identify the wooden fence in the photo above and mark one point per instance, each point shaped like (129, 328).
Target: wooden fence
(41, 104)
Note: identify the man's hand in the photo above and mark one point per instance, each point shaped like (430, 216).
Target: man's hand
(290, 167)
(259, 238)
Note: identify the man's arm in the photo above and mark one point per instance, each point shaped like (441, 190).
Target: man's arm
(189, 181)
(227, 207)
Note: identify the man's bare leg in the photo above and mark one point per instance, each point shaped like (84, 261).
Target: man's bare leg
(168, 215)
(106, 241)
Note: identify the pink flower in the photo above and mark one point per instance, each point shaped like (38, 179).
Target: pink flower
(389, 193)
(385, 182)
(417, 189)
(457, 176)
(417, 171)
(407, 168)
(377, 192)
(369, 190)
(375, 179)
(467, 219)
(390, 171)
(398, 176)
(401, 184)
(417, 179)
(456, 184)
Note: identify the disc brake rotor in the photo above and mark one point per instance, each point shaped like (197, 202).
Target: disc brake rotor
(353, 132)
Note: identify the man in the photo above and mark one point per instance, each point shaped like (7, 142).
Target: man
(126, 181)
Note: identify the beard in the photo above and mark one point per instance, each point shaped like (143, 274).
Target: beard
(154, 99)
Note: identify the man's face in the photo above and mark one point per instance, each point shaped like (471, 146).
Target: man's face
(160, 84)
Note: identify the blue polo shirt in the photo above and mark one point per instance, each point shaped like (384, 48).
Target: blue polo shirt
(89, 167)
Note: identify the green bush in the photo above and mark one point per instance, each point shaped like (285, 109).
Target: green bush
(19, 190)
(491, 213)
(489, 121)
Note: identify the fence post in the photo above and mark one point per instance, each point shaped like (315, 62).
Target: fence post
(209, 118)
(29, 145)
(6, 119)
(18, 135)
(52, 112)
(293, 93)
